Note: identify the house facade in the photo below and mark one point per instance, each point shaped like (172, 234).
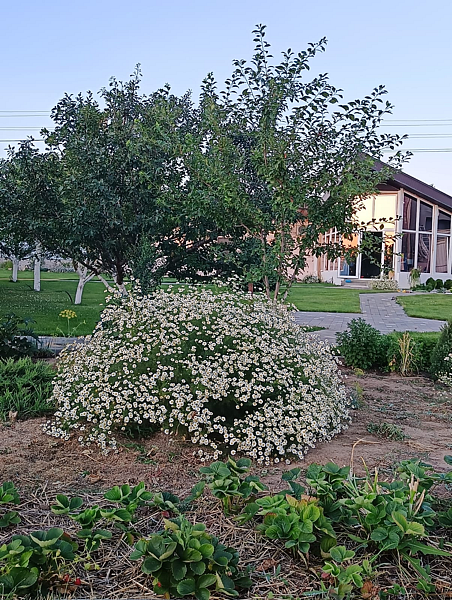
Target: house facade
(418, 237)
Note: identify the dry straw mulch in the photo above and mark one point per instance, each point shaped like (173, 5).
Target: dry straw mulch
(275, 573)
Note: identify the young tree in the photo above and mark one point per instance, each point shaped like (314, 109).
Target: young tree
(117, 173)
(284, 160)
(29, 203)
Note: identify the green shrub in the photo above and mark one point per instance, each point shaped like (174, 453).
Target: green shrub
(362, 345)
(422, 349)
(25, 388)
(439, 364)
(430, 284)
(439, 284)
(226, 370)
(448, 284)
(14, 332)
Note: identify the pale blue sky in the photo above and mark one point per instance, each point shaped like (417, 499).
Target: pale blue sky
(50, 47)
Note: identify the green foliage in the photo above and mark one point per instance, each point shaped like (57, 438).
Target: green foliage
(430, 284)
(25, 388)
(439, 284)
(42, 554)
(362, 345)
(14, 332)
(271, 144)
(300, 523)
(185, 560)
(228, 482)
(8, 496)
(387, 430)
(344, 578)
(448, 284)
(439, 364)
(419, 352)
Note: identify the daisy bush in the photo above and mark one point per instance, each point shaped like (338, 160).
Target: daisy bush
(230, 372)
(446, 377)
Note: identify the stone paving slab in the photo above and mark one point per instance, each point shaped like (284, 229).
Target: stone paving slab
(379, 310)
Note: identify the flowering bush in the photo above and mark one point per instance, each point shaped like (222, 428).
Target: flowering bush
(384, 284)
(228, 371)
(446, 377)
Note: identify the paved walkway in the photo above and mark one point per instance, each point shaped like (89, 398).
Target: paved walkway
(379, 310)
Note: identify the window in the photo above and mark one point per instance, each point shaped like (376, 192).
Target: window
(442, 253)
(443, 222)
(425, 217)
(424, 252)
(408, 251)
(409, 213)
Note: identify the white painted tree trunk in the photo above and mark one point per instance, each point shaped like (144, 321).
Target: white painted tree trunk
(84, 277)
(37, 271)
(15, 262)
(106, 284)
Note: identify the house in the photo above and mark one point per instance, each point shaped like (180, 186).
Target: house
(419, 237)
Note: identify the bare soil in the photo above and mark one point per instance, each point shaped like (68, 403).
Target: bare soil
(421, 409)
(42, 466)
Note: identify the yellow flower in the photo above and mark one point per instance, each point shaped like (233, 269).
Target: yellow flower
(68, 314)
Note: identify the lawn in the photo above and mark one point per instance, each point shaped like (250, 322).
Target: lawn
(324, 297)
(45, 306)
(57, 289)
(428, 306)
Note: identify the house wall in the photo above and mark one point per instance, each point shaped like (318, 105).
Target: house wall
(422, 234)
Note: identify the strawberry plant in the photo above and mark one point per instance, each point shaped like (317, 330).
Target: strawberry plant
(32, 561)
(185, 560)
(343, 579)
(227, 482)
(9, 495)
(300, 522)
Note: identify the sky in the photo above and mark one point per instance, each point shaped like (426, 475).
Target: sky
(53, 47)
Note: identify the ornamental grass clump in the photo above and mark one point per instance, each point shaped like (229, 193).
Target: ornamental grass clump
(230, 372)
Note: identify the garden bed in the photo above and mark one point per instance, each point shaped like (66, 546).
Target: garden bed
(41, 467)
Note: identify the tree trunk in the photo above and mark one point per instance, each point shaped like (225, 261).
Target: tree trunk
(106, 284)
(83, 279)
(15, 262)
(37, 271)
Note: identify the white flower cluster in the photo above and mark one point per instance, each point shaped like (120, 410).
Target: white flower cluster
(446, 377)
(233, 373)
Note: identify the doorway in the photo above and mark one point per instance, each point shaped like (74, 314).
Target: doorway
(371, 256)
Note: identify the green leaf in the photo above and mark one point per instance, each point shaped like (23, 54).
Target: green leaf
(198, 568)
(206, 580)
(448, 459)
(206, 550)
(415, 529)
(415, 546)
(186, 587)
(179, 569)
(114, 494)
(400, 520)
(202, 594)
(150, 565)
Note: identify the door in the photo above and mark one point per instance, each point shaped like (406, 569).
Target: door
(371, 255)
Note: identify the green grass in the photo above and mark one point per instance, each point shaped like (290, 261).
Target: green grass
(428, 306)
(57, 289)
(5, 275)
(25, 388)
(323, 297)
(45, 306)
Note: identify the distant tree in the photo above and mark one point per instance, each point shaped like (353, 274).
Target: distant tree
(29, 203)
(282, 160)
